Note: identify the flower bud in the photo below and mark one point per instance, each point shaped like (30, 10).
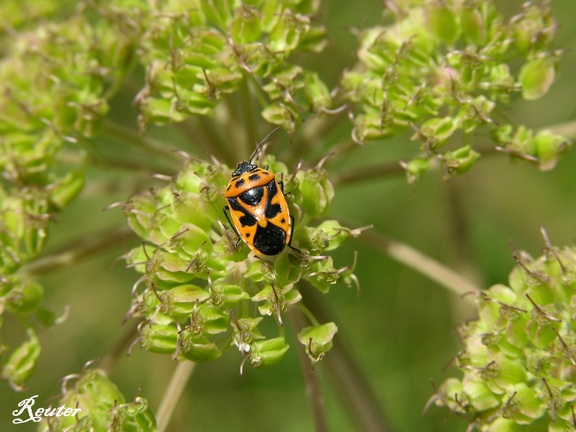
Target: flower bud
(267, 352)
(327, 236)
(415, 168)
(459, 161)
(159, 338)
(472, 25)
(25, 297)
(549, 147)
(182, 300)
(22, 361)
(316, 192)
(439, 129)
(217, 12)
(316, 91)
(275, 301)
(518, 354)
(246, 25)
(101, 407)
(536, 77)
(65, 189)
(317, 340)
(198, 348)
(478, 394)
(285, 36)
(226, 295)
(443, 23)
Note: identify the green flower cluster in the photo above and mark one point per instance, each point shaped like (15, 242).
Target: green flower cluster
(198, 51)
(443, 67)
(55, 80)
(203, 292)
(519, 362)
(101, 407)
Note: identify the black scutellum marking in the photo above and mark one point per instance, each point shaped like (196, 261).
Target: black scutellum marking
(252, 197)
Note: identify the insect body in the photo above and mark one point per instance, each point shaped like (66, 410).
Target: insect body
(258, 208)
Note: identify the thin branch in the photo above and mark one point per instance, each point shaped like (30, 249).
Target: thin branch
(134, 138)
(121, 348)
(315, 130)
(392, 169)
(387, 169)
(140, 167)
(173, 393)
(354, 390)
(425, 265)
(206, 137)
(567, 129)
(77, 250)
(313, 389)
(250, 119)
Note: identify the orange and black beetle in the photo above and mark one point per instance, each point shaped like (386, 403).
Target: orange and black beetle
(256, 202)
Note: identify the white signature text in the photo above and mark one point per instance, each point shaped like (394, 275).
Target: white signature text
(25, 413)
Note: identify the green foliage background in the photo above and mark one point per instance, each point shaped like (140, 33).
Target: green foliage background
(399, 330)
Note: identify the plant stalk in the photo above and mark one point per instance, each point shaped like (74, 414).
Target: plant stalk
(311, 380)
(423, 264)
(354, 390)
(132, 137)
(78, 250)
(171, 397)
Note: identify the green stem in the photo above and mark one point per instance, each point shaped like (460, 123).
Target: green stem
(141, 167)
(132, 137)
(86, 246)
(308, 314)
(210, 139)
(173, 392)
(314, 134)
(368, 173)
(423, 264)
(250, 121)
(354, 390)
(567, 129)
(121, 349)
(236, 145)
(198, 136)
(312, 383)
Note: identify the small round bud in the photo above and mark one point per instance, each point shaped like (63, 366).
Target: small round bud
(536, 77)
(443, 23)
(267, 352)
(472, 25)
(317, 340)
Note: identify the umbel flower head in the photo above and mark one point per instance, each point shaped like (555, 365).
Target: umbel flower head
(97, 404)
(445, 69)
(202, 293)
(518, 360)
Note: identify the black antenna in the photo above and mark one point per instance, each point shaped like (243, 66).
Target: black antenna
(262, 143)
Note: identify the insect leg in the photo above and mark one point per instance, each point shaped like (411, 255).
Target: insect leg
(232, 225)
(292, 236)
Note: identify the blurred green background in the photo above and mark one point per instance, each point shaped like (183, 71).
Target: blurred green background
(399, 329)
